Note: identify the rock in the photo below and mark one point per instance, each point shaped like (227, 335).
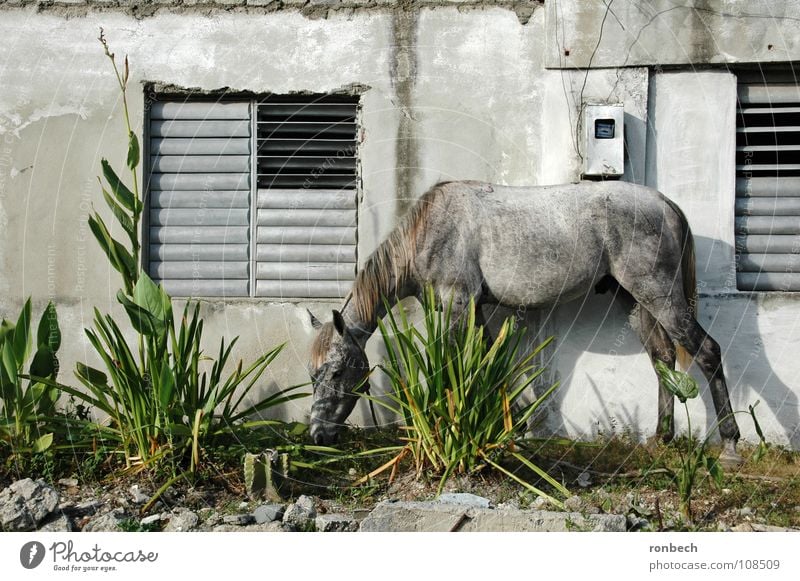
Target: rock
(268, 513)
(464, 499)
(25, 504)
(744, 511)
(151, 520)
(58, 523)
(637, 523)
(68, 482)
(573, 503)
(86, 508)
(244, 505)
(413, 516)
(440, 517)
(238, 519)
(540, 503)
(137, 495)
(108, 522)
(584, 480)
(762, 528)
(270, 527)
(301, 514)
(183, 521)
(335, 523)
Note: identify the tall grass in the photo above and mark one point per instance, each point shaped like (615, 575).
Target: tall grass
(460, 393)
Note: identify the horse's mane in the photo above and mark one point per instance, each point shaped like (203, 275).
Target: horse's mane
(321, 345)
(391, 263)
(385, 270)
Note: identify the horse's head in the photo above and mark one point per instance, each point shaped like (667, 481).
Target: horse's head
(338, 367)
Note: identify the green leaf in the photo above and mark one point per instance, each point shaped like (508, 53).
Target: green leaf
(92, 375)
(120, 190)
(133, 150)
(681, 385)
(126, 260)
(22, 338)
(166, 386)
(141, 319)
(120, 258)
(49, 333)
(42, 443)
(151, 297)
(756, 425)
(45, 363)
(9, 362)
(125, 221)
(6, 330)
(715, 470)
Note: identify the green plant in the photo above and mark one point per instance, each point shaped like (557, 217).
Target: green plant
(27, 406)
(124, 202)
(164, 397)
(693, 457)
(459, 394)
(165, 401)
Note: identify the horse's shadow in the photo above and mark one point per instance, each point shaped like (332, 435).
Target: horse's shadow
(606, 382)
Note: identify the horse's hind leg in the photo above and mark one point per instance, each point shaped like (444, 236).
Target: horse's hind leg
(659, 347)
(683, 328)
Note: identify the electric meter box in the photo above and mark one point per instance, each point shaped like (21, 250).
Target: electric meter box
(604, 140)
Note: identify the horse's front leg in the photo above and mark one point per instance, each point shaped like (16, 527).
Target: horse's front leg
(456, 299)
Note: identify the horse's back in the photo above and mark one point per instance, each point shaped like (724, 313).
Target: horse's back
(543, 244)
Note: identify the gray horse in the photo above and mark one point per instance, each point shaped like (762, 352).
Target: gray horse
(528, 247)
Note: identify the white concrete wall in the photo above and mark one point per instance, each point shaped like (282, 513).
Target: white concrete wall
(451, 95)
(595, 33)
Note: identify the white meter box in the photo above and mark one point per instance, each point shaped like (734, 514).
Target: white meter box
(604, 139)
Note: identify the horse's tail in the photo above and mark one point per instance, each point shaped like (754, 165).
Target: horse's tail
(689, 277)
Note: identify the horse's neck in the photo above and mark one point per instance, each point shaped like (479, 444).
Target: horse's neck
(362, 329)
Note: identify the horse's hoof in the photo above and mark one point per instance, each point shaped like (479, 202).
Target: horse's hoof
(730, 459)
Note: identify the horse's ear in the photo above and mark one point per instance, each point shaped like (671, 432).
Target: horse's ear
(338, 322)
(315, 322)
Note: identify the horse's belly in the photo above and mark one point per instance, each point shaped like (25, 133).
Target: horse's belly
(521, 277)
(535, 292)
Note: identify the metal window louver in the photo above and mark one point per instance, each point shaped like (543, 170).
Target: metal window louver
(768, 185)
(253, 198)
(306, 199)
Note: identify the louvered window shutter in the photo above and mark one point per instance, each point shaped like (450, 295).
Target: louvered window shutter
(306, 216)
(200, 197)
(768, 185)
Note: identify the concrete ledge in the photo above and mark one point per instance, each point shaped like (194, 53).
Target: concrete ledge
(391, 516)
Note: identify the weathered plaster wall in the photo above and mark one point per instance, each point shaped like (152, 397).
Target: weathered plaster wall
(452, 93)
(309, 8)
(64, 115)
(595, 33)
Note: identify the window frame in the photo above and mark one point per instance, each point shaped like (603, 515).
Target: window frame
(153, 96)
